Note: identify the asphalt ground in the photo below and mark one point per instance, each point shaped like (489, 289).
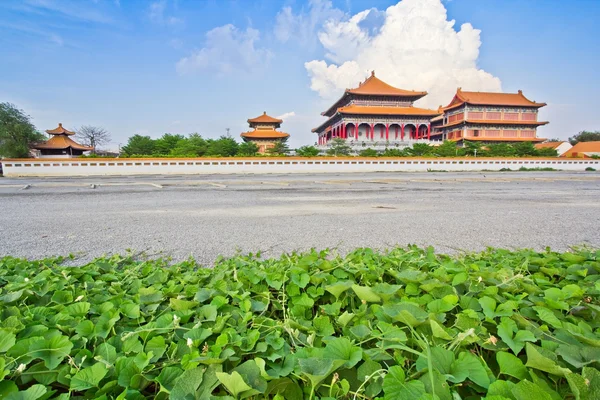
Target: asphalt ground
(208, 216)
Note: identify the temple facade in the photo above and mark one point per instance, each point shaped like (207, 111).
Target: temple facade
(489, 118)
(60, 145)
(376, 115)
(264, 132)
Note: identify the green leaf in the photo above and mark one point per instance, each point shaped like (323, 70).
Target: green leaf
(366, 293)
(62, 297)
(395, 386)
(543, 360)
(182, 305)
(469, 365)
(33, 393)
(516, 343)
(252, 376)
(88, 377)
(130, 310)
(343, 349)
(187, 384)
(52, 350)
(338, 288)
(435, 383)
(317, 369)
(234, 383)
(526, 390)
(7, 340)
(548, 316)
(501, 388)
(511, 365)
(441, 360)
(489, 306)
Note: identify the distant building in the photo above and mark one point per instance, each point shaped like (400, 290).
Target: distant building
(489, 118)
(60, 145)
(376, 115)
(560, 147)
(264, 133)
(584, 150)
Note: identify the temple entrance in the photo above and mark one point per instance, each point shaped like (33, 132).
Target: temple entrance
(395, 131)
(363, 131)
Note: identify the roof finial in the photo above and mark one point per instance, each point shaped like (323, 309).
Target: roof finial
(372, 72)
(264, 113)
(60, 124)
(520, 91)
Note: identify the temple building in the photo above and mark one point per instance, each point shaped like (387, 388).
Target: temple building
(489, 118)
(264, 133)
(376, 115)
(60, 145)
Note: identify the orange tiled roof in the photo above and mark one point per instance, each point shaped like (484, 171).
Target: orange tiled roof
(492, 99)
(375, 86)
(264, 118)
(498, 139)
(497, 122)
(59, 130)
(548, 145)
(61, 142)
(353, 109)
(582, 148)
(264, 134)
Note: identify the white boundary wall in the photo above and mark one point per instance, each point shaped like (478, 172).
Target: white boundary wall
(290, 165)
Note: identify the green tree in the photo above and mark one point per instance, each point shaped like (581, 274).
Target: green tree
(338, 147)
(307, 151)
(394, 153)
(247, 149)
(421, 149)
(279, 149)
(222, 147)
(192, 146)
(138, 145)
(165, 144)
(17, 132)
(585, 136)
(546, 152)
(368, 153)
(523, 149)
(447, 149)
(500, 150)
(473, 148)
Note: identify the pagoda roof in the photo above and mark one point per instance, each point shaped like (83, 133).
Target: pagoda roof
(264, 134)
(59, 130)
(354, 109)
(374, 86)
(61, 142)
(265, 119)
(492, 99)
(495, 122)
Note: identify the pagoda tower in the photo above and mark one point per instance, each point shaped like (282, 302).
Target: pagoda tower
(264, 133)
(377, 115)
(60, 145)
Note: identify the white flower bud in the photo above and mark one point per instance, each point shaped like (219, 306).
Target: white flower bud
(190, 343)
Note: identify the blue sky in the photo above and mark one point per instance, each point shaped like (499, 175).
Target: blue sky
(180, 66)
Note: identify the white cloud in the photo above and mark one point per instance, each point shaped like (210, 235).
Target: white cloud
(227, 49)
(303, 26)
(411, 45)
(157, 14)
(286, 115)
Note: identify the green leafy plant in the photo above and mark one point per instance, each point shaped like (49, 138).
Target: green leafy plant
(402, 324)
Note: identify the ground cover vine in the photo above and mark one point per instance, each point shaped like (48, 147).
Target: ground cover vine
(401, 324)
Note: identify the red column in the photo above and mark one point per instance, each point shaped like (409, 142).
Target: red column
(402, 132)
(429, 132)
(372, 132)
(344, 131)
(387, 132)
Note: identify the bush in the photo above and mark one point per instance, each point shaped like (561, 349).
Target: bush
(590, 169)
(368, 153)
(304, 326)
(307, 151)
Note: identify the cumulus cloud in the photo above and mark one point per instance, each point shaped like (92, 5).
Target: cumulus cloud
(411, 45)
(302, 27)
(227, 49)
(286, 115)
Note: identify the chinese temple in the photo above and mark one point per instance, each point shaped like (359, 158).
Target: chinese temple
(376, 114)
(489, 117)
(60, 145)
(264, 132)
